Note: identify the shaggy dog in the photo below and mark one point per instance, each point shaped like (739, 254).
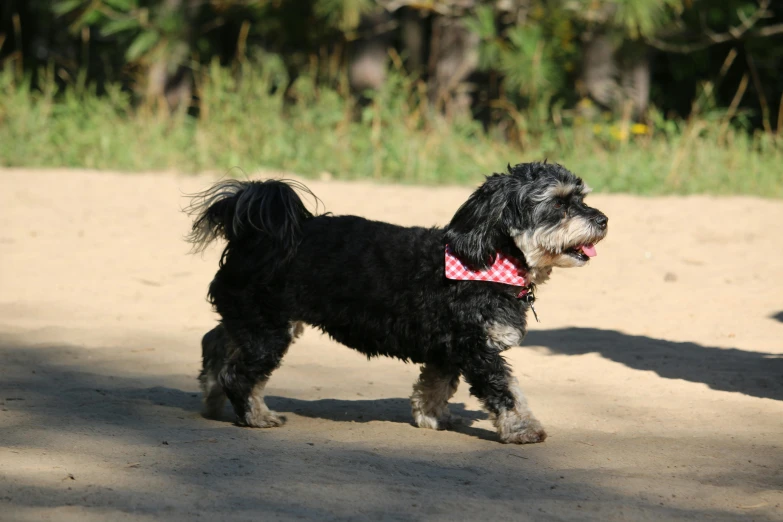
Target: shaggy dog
(383, 289)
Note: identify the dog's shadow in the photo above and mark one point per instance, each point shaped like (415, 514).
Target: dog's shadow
(757, 374)
(370, 410)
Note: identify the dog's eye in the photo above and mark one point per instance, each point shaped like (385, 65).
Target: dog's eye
(559, 203)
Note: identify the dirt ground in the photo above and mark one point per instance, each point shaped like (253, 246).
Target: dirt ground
(657, 371)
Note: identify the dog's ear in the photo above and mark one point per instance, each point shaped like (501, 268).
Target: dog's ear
(475, 230)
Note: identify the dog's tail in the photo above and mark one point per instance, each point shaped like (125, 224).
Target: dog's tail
(249, 211)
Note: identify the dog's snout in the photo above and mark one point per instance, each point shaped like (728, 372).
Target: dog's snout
(601, 220)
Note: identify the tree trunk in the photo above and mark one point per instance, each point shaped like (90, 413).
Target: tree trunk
(635, 78)
(413, 39)
(599, 71)
(614, 74)
(369, 54)
(169, 80)
(453, 57)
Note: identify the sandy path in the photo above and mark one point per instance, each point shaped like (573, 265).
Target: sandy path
(657, 371)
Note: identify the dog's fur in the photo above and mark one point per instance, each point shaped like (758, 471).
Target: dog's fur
(381, 288)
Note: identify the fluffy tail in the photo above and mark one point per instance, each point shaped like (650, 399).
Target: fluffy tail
(249, 211)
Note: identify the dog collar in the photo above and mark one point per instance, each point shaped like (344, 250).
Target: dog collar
(505, 270)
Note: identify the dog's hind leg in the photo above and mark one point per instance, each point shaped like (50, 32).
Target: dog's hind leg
(214, 350)
(491, 382)
(214, 397)
(431, 395)
(260, 346)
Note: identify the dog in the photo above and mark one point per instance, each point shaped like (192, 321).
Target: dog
(388, 290)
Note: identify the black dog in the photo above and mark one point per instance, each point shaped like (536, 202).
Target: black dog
(382, 289)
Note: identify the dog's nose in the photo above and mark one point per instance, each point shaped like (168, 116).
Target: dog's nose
(601, 221)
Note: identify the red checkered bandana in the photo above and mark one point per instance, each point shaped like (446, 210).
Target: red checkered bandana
(506, 270)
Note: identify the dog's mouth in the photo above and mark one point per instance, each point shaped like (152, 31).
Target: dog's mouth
(582, 252)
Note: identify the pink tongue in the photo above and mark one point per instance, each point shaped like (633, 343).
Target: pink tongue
(589, 250)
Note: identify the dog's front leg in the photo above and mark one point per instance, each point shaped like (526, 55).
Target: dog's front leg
(491, 382)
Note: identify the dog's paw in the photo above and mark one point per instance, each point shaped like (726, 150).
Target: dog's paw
(266, 419)
(528, 432)
(427, 422)
(431, 422)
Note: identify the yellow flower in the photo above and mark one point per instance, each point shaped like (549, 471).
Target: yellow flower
(618, 134)
(597, 129)
(639, 128)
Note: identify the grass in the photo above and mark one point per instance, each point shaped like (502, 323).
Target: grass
(393, 138)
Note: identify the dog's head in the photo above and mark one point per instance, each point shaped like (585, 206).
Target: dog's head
(538, 206)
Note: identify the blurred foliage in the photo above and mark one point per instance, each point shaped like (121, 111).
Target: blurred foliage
(535, 47)
(716, 70)
(248, 125)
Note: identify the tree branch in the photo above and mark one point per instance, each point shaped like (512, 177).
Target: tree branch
(738, 32)
(770, 30)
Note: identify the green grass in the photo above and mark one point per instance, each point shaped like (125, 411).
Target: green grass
(395, 138)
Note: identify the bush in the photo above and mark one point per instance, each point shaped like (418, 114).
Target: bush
(395, 136)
